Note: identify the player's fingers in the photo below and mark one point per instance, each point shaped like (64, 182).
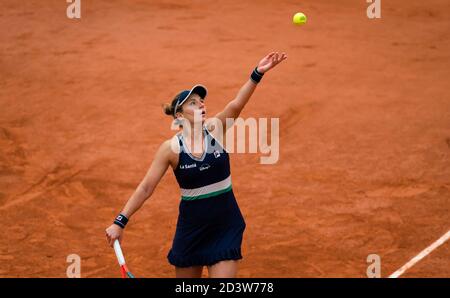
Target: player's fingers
(113, 239)
(274, 58)
(281, 57)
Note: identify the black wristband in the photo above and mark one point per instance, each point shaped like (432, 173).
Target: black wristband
(121, 220)
(256, 76)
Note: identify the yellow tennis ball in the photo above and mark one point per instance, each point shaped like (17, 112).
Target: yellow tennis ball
(299, 18)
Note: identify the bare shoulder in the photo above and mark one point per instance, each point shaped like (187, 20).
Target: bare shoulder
(170, 146)
(169, 150)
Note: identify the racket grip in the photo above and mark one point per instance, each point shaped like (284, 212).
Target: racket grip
(119, 253)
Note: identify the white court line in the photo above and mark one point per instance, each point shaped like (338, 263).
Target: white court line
(421, 255)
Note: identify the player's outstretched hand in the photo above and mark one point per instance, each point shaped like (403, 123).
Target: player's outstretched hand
(270, 61)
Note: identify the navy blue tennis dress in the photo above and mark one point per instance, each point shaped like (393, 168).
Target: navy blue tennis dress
(210, 224)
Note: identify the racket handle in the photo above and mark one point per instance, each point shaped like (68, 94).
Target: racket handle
(119, 253)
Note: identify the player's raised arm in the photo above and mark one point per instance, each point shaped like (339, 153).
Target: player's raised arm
(234, 107)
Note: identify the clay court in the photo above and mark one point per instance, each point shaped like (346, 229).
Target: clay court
(364, 109)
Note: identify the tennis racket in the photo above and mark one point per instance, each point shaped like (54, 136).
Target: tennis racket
(123, 267)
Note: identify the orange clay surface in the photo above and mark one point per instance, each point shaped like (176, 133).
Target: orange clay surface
(364, 109)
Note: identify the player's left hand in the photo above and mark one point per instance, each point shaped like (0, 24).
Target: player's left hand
(270, 61)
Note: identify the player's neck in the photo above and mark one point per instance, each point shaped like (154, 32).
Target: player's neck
(193, 132)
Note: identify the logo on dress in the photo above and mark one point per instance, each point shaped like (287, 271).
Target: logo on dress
(204, 167)
(182, 167)
(216, 154)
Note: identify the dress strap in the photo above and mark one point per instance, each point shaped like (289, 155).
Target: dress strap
(180, 142)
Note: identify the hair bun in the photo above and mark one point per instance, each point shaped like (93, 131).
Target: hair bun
(167, 109)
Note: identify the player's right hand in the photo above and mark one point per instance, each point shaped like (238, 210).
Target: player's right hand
(113, 232)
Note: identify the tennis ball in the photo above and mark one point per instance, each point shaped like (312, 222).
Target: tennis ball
(299, 18)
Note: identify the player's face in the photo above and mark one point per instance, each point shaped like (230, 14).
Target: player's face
(194, 108)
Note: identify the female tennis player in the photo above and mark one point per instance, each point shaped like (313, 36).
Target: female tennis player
(210, 225)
